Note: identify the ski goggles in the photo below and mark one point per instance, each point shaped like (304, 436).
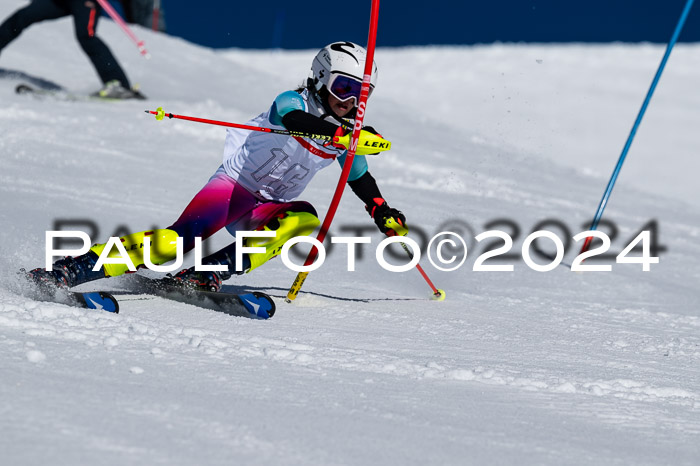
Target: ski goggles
(344, 87)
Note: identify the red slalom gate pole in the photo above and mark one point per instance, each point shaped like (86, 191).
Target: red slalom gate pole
(361, 107)
(118, 19)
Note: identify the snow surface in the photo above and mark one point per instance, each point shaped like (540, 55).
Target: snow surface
(513, 368)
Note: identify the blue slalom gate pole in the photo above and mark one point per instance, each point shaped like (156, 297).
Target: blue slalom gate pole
(621, 160)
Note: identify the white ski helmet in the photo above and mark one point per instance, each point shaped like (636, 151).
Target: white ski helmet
(337, 61)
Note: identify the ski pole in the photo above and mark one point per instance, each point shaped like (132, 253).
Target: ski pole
(160, 114)
(349, 158)
(373, 143)
(438, 294)
(118, 19)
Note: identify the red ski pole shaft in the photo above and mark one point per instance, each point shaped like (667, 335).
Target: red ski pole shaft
(425, 276)
(160, 114)
(437, 293)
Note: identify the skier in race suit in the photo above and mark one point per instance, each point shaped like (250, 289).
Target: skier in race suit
(85, 16)
(260, 179)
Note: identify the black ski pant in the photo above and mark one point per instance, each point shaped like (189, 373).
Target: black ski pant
(85, 15)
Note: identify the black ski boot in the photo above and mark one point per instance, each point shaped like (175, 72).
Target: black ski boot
(67, 272)
(204, 281)
(211, 281)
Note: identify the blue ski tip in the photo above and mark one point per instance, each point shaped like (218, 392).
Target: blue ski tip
(258, 305)
(102, 301)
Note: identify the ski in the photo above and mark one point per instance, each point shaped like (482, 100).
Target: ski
(256, 305)
(62, 94)
(99, 300)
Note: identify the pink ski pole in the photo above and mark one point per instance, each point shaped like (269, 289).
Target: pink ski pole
(118, 19)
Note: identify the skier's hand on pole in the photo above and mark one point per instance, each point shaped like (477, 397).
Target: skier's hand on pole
(390, 221)
(369, 143)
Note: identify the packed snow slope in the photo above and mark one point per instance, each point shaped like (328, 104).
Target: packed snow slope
(518, 367)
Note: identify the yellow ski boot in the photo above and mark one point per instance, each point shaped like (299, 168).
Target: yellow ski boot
(163, 249)
(289, 225)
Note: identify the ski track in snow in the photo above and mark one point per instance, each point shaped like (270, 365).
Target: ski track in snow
(95, 329)
(513, 368)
